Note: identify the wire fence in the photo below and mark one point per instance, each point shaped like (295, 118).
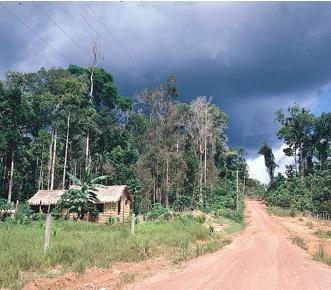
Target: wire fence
(318, 216)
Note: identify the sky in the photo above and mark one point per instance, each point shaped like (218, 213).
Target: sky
(252, 58)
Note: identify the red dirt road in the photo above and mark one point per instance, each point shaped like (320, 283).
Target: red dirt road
(261, 258)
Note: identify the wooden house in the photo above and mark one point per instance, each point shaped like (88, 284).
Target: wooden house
(114, 201)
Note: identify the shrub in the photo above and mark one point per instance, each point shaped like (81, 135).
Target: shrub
(299, 242)
(22, 215)
(159, 213)
(321, 256)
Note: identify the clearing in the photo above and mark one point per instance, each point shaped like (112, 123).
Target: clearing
(263, 257)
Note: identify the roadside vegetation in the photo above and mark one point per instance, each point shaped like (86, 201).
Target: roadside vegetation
(321, 256)
(323, 234)
(299, 242)
(280, 211)
(306, 184)
(77, 245)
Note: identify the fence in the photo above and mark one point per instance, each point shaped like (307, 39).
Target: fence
(318, 216)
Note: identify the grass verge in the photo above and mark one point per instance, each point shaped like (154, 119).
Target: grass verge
(323, 234)
(77, 245)
(299, 242)
(321, 256)
(279, 211)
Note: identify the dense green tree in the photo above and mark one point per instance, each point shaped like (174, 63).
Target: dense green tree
(269, 159)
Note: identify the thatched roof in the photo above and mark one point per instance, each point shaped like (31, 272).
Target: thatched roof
(105, 195)
(45, 197)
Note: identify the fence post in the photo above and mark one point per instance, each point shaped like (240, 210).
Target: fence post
(47, 231)
(133, 223)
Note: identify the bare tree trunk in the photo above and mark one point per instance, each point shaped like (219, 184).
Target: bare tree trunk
(40, 181)
(53, 160)
(66, 153)
(5, 169)
(75, 167)
(167, 181)
(205, 161)
(87, 149)
(10, 187)
(201, 176)
(50, 160)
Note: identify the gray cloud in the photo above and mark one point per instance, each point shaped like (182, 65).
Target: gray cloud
(251, 57)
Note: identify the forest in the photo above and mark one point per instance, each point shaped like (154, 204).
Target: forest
(61, 122)
(306, 185)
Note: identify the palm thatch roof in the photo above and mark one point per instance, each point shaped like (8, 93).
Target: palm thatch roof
(105, 194)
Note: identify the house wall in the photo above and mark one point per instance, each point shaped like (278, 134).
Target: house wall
(111, 210)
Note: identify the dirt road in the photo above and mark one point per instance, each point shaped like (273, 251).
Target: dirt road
(261, 258)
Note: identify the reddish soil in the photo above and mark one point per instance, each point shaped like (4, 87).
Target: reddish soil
(96, 278)
(306, 229)
(262, 257)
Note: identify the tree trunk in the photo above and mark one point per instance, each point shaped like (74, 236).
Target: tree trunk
(5, 168)
(41, 179)
(53, 161)
(66, 153)
(87, 149)
(167, 181)
(205, 161)
(201, 176)
(10, 187)
(50, 160)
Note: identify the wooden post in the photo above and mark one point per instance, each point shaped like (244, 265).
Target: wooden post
(47, 229)
(133, 223)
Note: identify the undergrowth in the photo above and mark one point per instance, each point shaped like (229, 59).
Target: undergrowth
(76, 245)
(323, 234)
(321, 256)
(299, 242)
(282, 212)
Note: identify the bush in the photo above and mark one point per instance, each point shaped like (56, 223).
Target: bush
(309, 193)
(159, 213)
(321, 256)
(113, 220)
(22, 215)
(5, 205)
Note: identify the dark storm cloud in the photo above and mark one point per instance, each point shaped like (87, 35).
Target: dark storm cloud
(251, 57)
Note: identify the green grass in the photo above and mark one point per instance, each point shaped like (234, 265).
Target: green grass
(321, 256)
(299, 242)
(232, 226)
(76, 245)
(323, 234)
(279, 211)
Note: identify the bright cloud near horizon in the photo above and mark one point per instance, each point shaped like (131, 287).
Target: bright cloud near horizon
(257, 169)
(253, 58)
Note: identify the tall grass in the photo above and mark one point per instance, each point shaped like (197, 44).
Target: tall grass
(323, 234)
(321, 256)
(280, 211)
(76, 245)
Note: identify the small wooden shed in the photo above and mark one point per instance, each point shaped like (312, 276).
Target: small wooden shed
(114, 201)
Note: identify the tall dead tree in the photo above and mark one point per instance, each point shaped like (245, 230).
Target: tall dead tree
(53, 160)
(66, 152)
(10, 188)
(96, 60)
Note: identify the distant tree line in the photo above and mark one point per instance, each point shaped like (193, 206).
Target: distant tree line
(307, 184)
